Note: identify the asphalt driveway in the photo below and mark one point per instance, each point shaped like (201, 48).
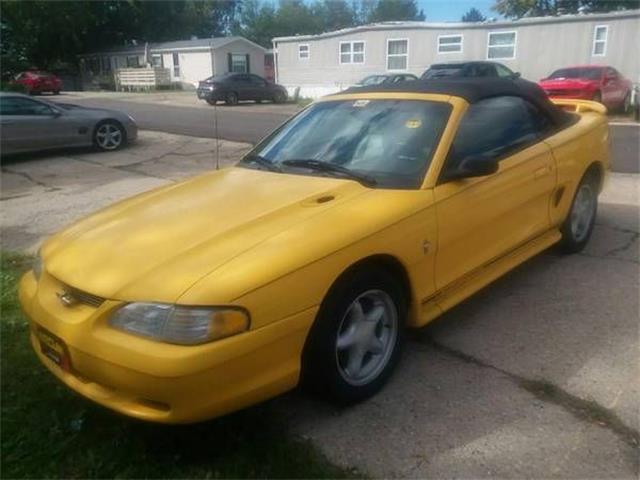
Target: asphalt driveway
(535, 376)
(182, 113)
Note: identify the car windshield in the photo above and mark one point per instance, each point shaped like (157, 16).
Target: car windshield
(588, 73)
(437, 71)
(389, 141)
(372, 80)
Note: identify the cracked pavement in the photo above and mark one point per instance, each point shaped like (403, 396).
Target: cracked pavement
(535, 376)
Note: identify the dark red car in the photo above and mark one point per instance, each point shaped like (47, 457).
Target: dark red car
(590, 82)
(38, 82)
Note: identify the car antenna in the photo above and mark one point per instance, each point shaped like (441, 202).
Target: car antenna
(215, 128)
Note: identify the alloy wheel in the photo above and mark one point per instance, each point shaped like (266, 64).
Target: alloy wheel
(109, 136)
(626, 106)
(582, 212)
(231, 98)
(366, 337)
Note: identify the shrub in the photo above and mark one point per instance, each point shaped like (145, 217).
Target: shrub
(12, 87)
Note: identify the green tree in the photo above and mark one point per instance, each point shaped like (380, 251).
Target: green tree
(48, 34)
(536, 8)
(610, 5)
(295, 17)
(257, 22)
(43, 33)
(335, 14)
(396, 10)
(363, 10)
(473, 15)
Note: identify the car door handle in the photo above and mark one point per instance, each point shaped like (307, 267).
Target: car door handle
(542, 172)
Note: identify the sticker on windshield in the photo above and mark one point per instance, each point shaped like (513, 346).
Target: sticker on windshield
(413, 123)
(361, 103)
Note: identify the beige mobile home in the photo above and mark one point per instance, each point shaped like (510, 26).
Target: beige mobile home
(183, 62)
(329, 62)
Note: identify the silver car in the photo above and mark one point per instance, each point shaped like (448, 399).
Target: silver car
(27, 124)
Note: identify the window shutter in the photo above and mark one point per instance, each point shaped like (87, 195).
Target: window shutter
(248, 63)
(229, 66)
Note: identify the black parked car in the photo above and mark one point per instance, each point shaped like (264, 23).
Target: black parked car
(233, 87)
(468, 69)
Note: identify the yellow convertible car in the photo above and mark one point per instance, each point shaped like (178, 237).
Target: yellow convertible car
(368, 212)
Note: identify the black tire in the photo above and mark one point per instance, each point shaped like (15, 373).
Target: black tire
(56, 92)
(279, 97)
(626, 104)
(211, 102)
(597, 97)
(574, 239)
(258, 101)
(110, 126)
(323, 371)
(231, 98)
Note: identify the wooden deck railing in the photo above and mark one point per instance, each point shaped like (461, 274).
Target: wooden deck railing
(142, 78)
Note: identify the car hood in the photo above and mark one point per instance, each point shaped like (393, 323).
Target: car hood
(156, 245)
(567, 83)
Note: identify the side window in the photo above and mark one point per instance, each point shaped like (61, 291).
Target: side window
(258, 81)
(22, 106)
(485, 70)
(495, 127)
(503, 71)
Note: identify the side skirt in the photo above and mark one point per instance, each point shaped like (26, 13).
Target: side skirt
(462, 289)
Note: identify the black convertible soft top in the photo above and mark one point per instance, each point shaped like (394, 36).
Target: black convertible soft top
(476, 89)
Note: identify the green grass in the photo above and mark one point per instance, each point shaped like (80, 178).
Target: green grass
(47, 431)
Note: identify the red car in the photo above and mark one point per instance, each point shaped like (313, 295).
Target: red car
(590, 82)
(38, 82)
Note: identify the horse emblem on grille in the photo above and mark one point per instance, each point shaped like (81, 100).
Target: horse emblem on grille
(66, 298)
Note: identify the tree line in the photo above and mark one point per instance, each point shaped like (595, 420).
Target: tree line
(49, 35)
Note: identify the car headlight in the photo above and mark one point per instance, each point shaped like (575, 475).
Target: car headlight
(179, 324)
(37, 266)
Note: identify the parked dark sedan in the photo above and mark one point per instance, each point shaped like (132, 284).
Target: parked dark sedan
(233, 87)
(468, 69)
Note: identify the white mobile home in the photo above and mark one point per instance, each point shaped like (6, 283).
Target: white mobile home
(186, 61)
(329, 62)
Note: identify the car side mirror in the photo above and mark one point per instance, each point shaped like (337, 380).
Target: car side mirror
(55, 113)
(474, 167)
(516, 75)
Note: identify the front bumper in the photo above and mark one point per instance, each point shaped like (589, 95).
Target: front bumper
(206, 94)
(132, 132)
(160, 382)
